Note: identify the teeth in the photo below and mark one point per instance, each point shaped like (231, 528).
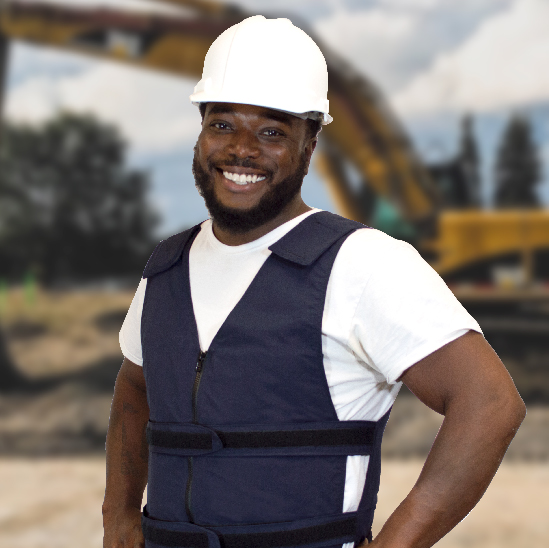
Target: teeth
(242, 179)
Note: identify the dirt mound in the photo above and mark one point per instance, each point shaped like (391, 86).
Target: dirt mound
(67, 414)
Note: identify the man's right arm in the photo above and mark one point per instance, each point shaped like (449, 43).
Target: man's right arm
(127, 460)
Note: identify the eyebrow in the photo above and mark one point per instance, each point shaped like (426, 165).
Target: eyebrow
(221, 109)
(270, 114)
(279, 117)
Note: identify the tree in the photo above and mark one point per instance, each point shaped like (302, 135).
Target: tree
(69, 207)
(458, 177)
(518, 168)
(468, 158)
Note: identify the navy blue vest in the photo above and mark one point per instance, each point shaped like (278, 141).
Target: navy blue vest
(245, 447)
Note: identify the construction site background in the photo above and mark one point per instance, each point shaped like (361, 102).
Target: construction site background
(59, 317)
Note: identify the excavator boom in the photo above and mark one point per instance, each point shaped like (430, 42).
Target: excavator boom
(364, 136)
(363, 130)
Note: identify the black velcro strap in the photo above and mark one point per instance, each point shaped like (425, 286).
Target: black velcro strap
(273, 539)
(175, 440)
(174, 538)
(297, 537)
(297, 438)
(264, 439)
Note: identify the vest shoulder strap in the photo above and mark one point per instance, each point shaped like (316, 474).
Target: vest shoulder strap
(312, 237)
(168, 252)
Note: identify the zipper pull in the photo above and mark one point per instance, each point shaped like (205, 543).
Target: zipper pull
(200, 362)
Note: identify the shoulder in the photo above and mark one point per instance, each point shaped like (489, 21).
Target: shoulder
(400, 309)
(388, 275)
(375, 241)
(369, 252)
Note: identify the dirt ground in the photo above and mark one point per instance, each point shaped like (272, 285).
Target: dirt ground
(56, 503)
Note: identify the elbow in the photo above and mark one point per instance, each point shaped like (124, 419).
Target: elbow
(510, 412)
(518, 411)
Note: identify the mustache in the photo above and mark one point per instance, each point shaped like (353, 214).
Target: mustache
(239, 162)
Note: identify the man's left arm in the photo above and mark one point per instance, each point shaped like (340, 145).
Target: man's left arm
(467, 383)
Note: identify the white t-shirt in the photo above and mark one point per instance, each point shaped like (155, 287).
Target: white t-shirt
(385, 310)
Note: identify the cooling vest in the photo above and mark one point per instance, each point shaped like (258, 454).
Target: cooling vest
(245, 447)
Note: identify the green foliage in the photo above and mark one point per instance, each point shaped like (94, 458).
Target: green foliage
(518, 168)
(69, 207)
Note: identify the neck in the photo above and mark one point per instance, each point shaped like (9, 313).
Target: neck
(292, 210)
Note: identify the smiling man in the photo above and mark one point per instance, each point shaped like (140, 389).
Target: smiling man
(265, 347)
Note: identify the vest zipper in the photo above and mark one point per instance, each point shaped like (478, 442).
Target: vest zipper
(197, 377)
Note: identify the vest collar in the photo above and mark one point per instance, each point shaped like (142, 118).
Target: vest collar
(169, 251)
(303, 245)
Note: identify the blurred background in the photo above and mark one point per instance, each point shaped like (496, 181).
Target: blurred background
(440, 138)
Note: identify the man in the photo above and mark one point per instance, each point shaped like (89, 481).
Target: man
(274, 339)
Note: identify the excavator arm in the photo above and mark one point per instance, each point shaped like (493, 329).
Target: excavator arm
(175, 45)
(364, 132)
(364, 138)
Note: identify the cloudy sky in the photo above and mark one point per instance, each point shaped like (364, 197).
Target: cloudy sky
(434, 59)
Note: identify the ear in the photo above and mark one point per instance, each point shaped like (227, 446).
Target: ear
(309, 149)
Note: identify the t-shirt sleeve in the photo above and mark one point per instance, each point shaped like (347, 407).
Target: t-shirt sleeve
(130, 333)
(405, 311)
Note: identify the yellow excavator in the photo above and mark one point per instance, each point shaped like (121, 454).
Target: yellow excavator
(364, 153)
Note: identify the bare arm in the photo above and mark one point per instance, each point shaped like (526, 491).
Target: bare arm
(127, 460)
(466, 382)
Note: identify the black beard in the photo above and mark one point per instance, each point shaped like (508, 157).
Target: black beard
(237, 221)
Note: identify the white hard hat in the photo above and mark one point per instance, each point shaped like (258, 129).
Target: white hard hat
(268, 63)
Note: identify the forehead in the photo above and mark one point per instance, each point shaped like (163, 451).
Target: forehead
(238, 109)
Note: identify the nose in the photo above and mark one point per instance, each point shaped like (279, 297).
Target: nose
(244, 144)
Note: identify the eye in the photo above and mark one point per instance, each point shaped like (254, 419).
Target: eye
(272, 133)
(221, 125)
